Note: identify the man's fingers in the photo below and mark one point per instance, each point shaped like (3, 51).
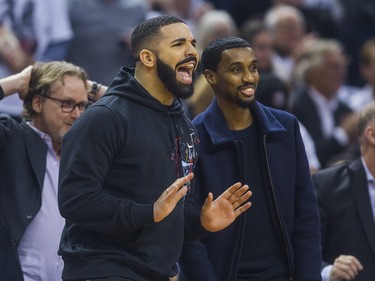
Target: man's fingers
(208, 201)
(231, 190)
(180, 182)
(243, 198)
(242, 209)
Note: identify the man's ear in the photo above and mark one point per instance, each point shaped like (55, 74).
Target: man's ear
(37, 103)
(147, 57)
(210, 76)
(370, 135)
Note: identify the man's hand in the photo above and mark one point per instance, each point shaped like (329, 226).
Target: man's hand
(17, 83)
(217, 215)
(11, 51)
(170, 197)
(345, 268)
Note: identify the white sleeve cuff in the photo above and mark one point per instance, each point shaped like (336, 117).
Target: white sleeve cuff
(326, 272)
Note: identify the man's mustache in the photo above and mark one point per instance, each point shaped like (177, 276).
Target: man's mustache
(186, 60)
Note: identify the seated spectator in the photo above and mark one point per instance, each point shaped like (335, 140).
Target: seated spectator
(332, 124)
(346, 199)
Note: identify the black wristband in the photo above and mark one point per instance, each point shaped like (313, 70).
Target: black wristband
(1, 93)
(94, 90)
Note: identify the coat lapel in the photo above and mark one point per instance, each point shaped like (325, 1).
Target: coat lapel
(37, 151)
(362, 201)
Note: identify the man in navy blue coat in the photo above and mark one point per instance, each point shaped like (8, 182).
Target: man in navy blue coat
(242, 140)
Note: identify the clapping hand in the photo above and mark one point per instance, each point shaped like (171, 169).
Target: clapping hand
(219, 213)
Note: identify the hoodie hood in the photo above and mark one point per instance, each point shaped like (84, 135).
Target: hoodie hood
(126, 86)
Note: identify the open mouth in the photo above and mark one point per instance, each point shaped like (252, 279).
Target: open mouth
(185, 72)
(248, 90)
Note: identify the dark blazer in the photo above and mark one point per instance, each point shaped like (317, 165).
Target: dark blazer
(304, 108)
(22, 167)
(348, 226)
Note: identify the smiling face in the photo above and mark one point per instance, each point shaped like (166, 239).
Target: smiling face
(176, 59)
(236, 78)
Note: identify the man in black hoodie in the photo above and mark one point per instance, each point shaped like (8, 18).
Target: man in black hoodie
(127, 165)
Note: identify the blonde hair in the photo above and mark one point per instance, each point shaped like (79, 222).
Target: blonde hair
(313, 57)
(44, 76)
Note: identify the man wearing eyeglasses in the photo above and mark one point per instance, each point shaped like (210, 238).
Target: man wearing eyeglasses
(54, 94)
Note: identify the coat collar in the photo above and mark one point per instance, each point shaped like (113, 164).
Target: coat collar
(358, 179)
(214, 122)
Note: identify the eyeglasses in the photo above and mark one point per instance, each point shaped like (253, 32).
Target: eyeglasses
(68, 106)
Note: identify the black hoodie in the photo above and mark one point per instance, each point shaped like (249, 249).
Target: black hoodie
(117, 159)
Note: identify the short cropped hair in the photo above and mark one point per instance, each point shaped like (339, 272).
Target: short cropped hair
(44, 76)
(211, 55)
(148, 30)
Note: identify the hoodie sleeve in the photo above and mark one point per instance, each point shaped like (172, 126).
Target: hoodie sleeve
(88, 150)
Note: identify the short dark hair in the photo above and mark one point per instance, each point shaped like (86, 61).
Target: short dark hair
(149, 30)
(211, 55)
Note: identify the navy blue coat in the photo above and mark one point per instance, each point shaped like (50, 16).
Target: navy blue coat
(286, 171)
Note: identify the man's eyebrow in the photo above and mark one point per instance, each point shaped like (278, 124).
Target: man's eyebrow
(255, 61)
(182, 40)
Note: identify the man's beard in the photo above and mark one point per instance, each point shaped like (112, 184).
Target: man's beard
(167, 76)
(240, 102)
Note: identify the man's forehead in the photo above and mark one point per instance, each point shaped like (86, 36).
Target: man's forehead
(175, 31)
(238, 54)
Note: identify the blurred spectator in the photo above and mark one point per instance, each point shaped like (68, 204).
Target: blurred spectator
(190, 11)
(287, 26)
(260, 38)
(27, 34)
(321, 16)
(356, 26)
(346, 199)
(214, 24)
(242, 10)
(101, 34)
(331, 124)
(360, 97)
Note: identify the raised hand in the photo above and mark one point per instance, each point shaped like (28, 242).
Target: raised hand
(220, 213)
(170, 197)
